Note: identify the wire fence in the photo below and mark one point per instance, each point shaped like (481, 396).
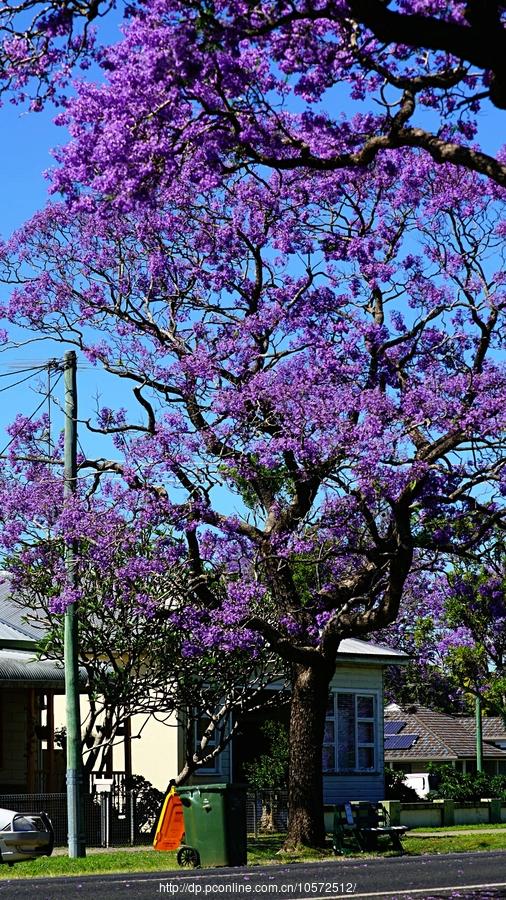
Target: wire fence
(112, 823)
(266, 811)
(104, 825)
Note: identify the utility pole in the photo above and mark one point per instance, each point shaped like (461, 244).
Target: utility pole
(479, 735)
(76, 842)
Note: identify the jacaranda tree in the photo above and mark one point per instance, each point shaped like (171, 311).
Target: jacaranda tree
(265, 82)
(262, 232)
(41, 43)
(199, 89)
(318, 390)
(132, 595)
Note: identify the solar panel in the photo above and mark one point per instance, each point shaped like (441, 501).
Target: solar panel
(400, 741)
(393, 727)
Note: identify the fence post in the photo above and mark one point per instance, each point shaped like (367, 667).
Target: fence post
(132, 804)
(393, 810)
(105, 819)
(447, 812)
(494, 811)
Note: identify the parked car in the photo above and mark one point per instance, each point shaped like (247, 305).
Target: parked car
(24, 836)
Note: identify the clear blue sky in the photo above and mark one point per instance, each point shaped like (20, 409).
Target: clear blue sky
(25, 155)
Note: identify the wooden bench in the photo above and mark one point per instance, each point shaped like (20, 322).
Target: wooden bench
(364, 823)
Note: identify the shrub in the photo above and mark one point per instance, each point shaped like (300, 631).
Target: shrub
(453, 785)
(148, 803)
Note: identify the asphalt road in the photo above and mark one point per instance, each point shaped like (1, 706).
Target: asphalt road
(473, 876)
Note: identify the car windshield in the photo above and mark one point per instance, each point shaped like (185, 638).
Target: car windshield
(21, 823)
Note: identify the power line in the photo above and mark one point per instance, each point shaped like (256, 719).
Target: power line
(34, 413)
(37, 364)
(33, 369)
(20, 381)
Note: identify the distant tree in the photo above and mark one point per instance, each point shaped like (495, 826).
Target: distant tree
(269, 771)
(131, 649)
(457, 639)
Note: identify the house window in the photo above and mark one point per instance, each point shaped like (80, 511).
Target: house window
(201, 725)
(350, 733)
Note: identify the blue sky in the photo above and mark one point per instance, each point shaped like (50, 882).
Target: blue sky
(25, 155)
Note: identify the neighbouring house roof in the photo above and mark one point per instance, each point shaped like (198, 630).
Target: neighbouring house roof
(19, 665)
(15, 632)
(22, 669)
(493, 727)
(354, 650)
(437, 736)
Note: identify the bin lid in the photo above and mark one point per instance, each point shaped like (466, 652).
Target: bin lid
(211, 788)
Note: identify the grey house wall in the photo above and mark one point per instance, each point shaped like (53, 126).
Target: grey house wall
(205, 776)
(357, 678)
(359, 785)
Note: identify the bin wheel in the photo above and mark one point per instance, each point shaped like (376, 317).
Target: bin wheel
(188, 858)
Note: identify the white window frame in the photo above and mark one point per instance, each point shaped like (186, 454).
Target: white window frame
(374, 695)
(212, 742)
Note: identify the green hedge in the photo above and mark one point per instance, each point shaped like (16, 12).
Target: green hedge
(454, 785)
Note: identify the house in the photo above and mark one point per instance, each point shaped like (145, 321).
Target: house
(353, 747)
(353, 744)
(493, 730)
(417, 736)
(29, 761)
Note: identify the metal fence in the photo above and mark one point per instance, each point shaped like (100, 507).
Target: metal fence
(104, 824)
(266, 811)
(116, 819)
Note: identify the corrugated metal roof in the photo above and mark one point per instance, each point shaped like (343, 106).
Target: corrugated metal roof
(20, 666)
(9, 633)
(355, 647)
(23, 669)
(13, 626)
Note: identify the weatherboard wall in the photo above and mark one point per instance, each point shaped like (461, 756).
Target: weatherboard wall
(341, 786)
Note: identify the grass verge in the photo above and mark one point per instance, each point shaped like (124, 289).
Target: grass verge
(264, 850)
(479, 826)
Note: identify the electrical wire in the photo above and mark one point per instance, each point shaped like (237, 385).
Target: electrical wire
(21, 381)
(34, 413)
(33, 369)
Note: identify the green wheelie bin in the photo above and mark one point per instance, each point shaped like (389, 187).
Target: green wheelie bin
(215, 825)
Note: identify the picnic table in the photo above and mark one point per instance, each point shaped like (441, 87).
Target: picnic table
(363, 823)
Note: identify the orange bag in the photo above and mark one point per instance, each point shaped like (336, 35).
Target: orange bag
(170, 828)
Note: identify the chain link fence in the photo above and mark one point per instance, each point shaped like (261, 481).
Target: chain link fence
(266, 811)
(104, 824)
(118, 820)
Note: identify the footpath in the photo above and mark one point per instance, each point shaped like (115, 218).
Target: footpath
(449, 832)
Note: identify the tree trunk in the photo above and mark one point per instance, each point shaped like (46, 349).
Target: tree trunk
(310, 688)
